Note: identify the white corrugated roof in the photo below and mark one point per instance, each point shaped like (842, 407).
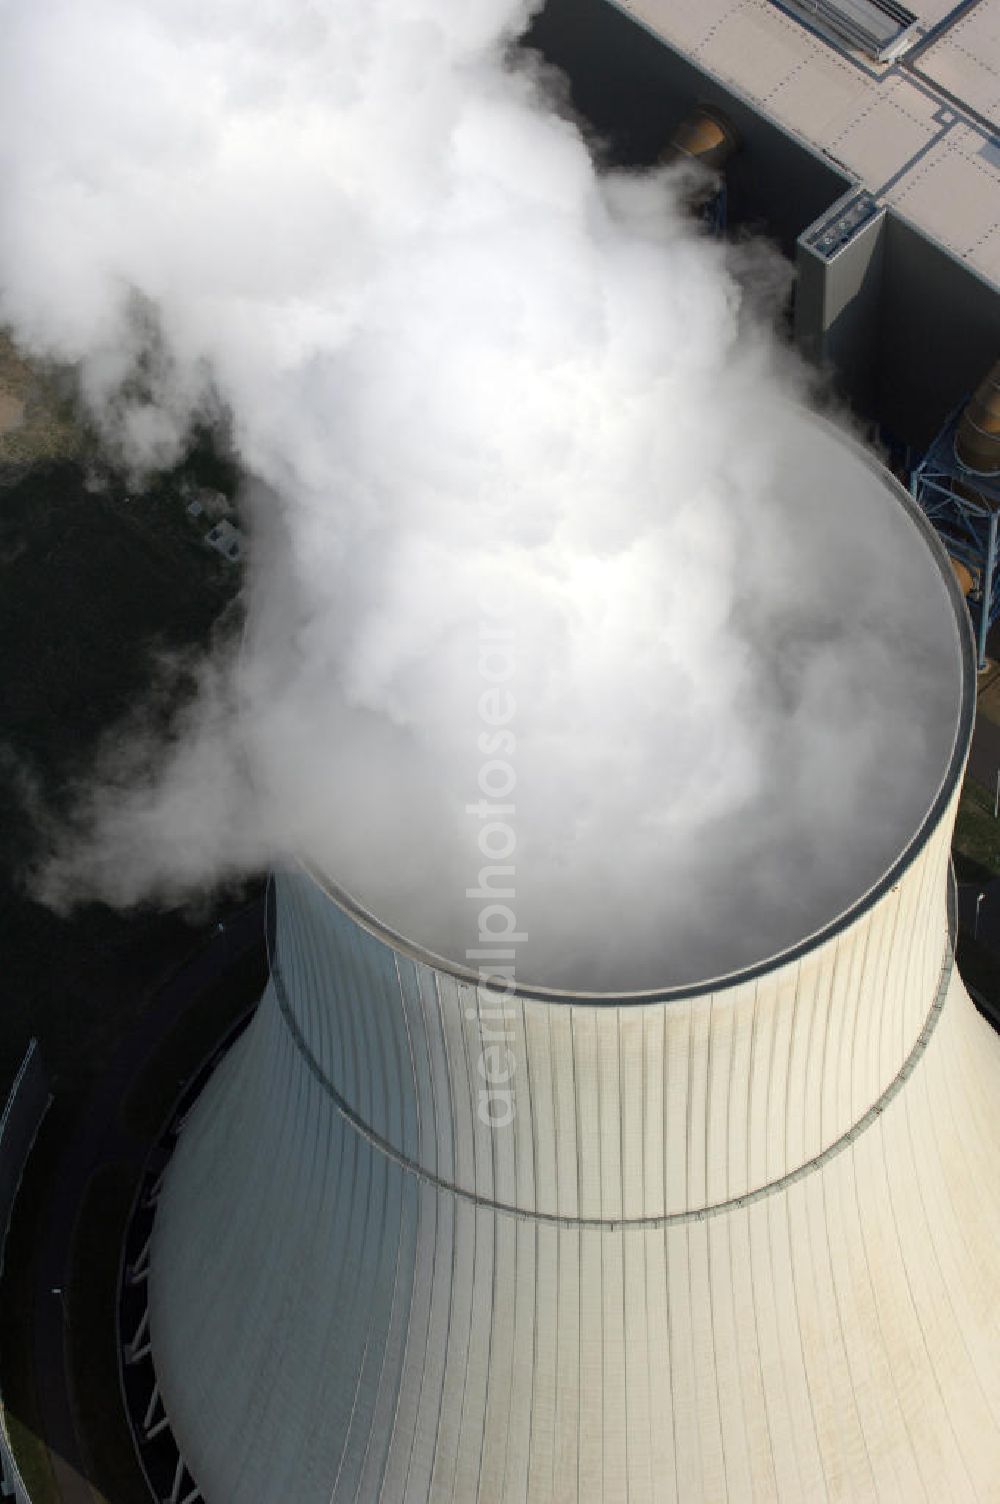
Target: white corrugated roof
(918, 132)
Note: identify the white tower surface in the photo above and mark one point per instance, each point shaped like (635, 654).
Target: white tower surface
(740, 1241)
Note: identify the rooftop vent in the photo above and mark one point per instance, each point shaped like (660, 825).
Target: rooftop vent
(880, 28)
(839, 227)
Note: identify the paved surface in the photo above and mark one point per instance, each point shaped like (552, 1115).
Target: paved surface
(102, 1140)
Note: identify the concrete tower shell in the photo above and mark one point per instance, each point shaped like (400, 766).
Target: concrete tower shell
(738, 1242)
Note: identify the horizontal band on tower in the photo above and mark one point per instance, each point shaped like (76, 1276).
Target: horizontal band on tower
(609, 1224)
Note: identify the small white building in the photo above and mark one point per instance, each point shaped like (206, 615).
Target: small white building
(227, 540)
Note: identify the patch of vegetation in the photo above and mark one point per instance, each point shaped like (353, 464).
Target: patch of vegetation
(33, 1461)
(103, 1432)
(40, 421)
(979, 968)
(976, 843)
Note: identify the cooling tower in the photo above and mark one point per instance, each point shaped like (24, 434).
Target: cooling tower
(422, 1240)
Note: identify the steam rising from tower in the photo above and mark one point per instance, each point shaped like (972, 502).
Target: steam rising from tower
(464, 365)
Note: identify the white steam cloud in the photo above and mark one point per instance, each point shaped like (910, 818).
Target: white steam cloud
(472, 375)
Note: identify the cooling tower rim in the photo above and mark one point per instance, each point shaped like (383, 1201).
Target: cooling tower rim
(946, 787)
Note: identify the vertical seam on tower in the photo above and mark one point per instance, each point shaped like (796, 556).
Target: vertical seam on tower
(624, 1261)
(396, 1281)
(468, 1078)
(709, 1096)
(556, 1413)
(843, 1337)
(878, 1321)
(476, 1161)
(959, 1221)
(388, 1331)
(916, 1312)
(747, 1219)
(446, 1363)
(788, 1216)
(532, 1094)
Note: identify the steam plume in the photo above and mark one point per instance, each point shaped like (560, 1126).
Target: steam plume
(465, 367)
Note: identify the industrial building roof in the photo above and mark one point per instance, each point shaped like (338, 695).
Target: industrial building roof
(920, 131)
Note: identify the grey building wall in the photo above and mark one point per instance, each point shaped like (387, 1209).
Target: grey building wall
(907, 329)
(838, 303)
(939, 333)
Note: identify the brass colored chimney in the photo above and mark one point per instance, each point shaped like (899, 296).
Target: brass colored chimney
(705, 136)
(977, 442)
(963, 574)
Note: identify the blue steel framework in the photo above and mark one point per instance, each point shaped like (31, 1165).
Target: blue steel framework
(963, 507)
(160, 1459)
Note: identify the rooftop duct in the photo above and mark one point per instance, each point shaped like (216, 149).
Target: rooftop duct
(977, 438)
(880, 28)
(705, 136)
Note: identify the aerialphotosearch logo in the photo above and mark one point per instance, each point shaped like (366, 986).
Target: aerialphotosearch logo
(495, 955)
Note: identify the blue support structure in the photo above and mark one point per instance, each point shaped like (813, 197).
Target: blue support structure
(964, 509)
(716, 211)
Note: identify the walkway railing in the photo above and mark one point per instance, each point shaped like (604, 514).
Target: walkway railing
(27, 1105)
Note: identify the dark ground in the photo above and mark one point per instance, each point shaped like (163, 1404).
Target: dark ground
(94, 586)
